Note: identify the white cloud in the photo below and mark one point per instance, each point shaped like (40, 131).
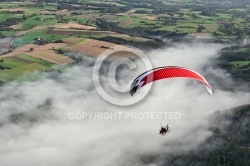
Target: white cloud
(44, 135)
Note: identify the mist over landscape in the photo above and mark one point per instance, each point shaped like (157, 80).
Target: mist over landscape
(39, 132)
(66, 74)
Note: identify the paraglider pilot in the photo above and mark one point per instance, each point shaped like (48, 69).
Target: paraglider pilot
(164, 130)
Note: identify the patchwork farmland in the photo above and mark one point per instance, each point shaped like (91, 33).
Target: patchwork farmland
(42, 25)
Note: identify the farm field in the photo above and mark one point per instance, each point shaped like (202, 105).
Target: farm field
(45, 23)
(95, 48)
(20, 65)
(46, 52)
(23, 60)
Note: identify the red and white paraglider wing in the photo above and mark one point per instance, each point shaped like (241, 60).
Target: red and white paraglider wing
(166, 72)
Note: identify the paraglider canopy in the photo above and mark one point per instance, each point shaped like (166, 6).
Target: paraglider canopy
(166, 72)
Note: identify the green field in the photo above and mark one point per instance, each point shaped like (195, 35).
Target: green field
(240, 64)
(38, 20)
(241, 49)
(4, 15)
(22, 65)
(30, 37)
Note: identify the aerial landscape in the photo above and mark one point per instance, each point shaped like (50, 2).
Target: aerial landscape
(79, 82)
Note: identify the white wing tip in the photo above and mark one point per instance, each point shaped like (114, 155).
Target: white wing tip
(210, 90)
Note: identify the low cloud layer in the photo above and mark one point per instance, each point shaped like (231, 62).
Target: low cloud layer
(35, 128)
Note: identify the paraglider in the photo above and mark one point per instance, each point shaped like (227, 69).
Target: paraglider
(164, 130)
(166, 72)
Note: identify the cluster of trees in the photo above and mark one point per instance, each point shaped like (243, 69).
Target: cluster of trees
(224, 4)
(231, 30)
(4, 25)
(167, 20)
(166, 9)
(146, 45)
(112, 26)
(157, 6)
(116, 9)
(102, 7)
(142, 12)
(200, 28)
(149, 31)
(62, 6)
(240, 3)
(61, 19)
